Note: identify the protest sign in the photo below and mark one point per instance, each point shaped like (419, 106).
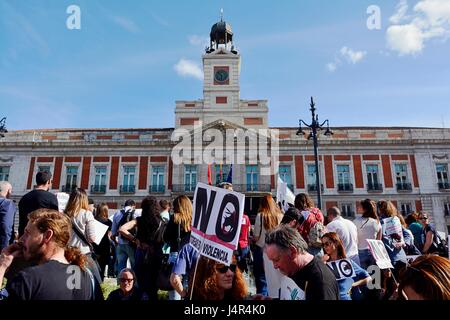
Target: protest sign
(380, 254)
(284, 195)
(216, 222)
(99, 230)
(63, 198)
(392, 227)
(342, 268)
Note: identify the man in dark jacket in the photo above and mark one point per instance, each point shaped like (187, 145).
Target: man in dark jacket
(39, 198)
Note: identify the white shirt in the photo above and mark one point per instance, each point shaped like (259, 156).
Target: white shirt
(368, 228)
(347, 232)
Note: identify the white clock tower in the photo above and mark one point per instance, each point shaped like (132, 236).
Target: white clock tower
(221, 89)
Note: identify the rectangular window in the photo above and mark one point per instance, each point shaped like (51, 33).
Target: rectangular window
(347, 210)
(222, 172)
(401, 173)
(447, 209)
(129, 174)
(100, 176)
(252, 177)
(405, 208)
(71, 178)
(285, 175)
(343, 172)
(442, 172)
(43, 168)
(4, 173)
(158, 179)
(311, 176)
(190, 177)
(372, 175)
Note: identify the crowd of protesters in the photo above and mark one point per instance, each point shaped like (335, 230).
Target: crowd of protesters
(289, 254)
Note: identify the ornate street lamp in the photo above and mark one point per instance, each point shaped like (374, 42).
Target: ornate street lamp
(3, 127)
(315, 128)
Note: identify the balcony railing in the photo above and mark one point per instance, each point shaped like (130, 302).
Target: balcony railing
(251, 187)
(157, 189)
(404, 186)
(444, 185)
(374, 187)
(313, 188)
(183, 187)
(128, 189)
(345, 187)
(98, 188)
(68, 188)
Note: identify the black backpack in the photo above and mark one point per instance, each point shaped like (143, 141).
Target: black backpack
(127, 216)
(158, 236)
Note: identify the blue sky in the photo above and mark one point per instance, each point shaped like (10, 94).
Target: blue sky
(119, 71)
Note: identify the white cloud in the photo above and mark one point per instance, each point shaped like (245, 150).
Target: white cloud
(430, 20)
(346, 54)
(197, 40)
(332, 66)
(352, 56)
(405, 39)
(188, 68)
(127, 24)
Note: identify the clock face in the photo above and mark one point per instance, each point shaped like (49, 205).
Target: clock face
(221, 75)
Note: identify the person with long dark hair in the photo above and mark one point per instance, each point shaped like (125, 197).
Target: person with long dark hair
(149, 251)
(369, 227)
(334, 250)
(103, 249)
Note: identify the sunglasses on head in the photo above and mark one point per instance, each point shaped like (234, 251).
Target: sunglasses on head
(224, 269)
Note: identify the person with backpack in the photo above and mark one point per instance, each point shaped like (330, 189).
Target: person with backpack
(149, 242)
(311, 223)
(124, 249)
(432, 242)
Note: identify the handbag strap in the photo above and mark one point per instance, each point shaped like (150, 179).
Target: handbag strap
(81, 236)
(179, 236)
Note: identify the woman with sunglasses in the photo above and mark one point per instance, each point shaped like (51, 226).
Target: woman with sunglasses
(128, 290)
(428, 235)
(214, 281)
(334, 250)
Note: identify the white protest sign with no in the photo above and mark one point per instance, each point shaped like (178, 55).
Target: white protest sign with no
(380, 254)
(216, 222)
(342, 268)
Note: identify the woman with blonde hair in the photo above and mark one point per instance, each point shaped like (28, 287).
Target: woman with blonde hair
(83, 228)
(178, 232)
(269, 216)
(393, 241)
(214, 281)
